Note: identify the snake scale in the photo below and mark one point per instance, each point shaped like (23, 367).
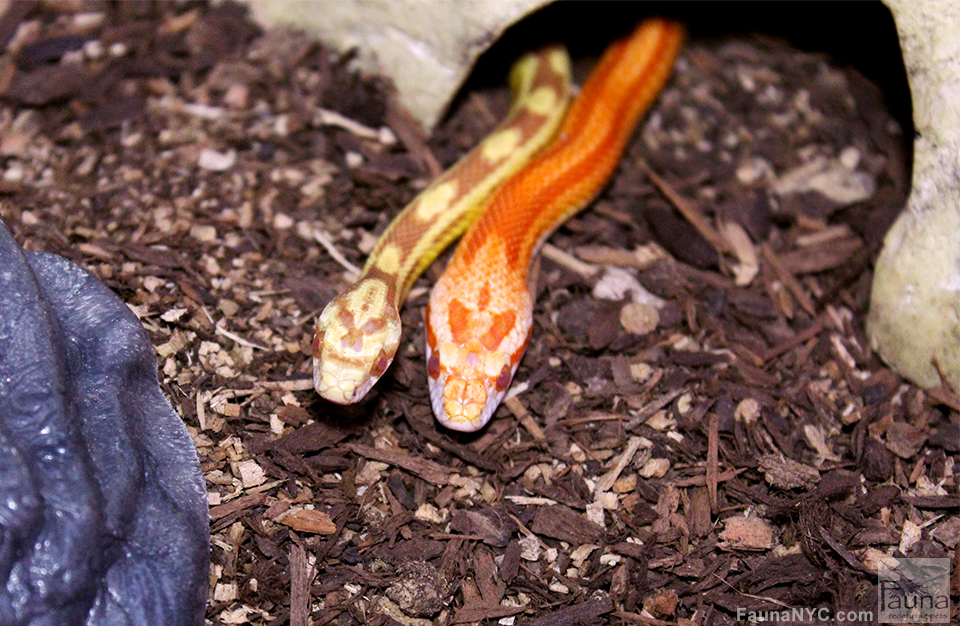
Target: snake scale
(358, 332)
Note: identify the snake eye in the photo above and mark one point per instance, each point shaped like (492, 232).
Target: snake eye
(315, 346)
(381, 365)
(433, 365)
(503, 380)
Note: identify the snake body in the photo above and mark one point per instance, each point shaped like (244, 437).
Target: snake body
(480, 312)
(358, 332)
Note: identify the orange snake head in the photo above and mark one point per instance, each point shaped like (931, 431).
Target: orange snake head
(356, 339)
(475, 340)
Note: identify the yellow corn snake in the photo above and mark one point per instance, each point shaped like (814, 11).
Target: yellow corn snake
(358, 332)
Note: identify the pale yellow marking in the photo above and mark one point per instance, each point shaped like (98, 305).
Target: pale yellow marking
(415, 260)
(388, 260)
(522, 75)
(542, 101)
(560, 61)
(449, 353)
(370, 292)
(437, 200)
(501, 144)
(493, 363)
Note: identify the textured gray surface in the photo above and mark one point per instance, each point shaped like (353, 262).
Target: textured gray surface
(102, 504)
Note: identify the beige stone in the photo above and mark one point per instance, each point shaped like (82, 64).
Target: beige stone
(427, 48)
(915, 303)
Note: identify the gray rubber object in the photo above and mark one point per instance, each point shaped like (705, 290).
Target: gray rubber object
(103, 511)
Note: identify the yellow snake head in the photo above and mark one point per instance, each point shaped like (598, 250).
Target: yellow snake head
(356, 339)
(474, 344)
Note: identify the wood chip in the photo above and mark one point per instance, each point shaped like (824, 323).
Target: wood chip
(821, 256)
(788, 279)
(301, 577)
(604, 255)
(492, 527)
(426, 469)
(566, 260)
(639, 318)
(688, 210)
(788, 474)
(584, 613)
(747, 533)
(308, 521)
(240, 504)
(523, 416)
(713, 448)
(625, 458)
(739, 242)
(560, 522)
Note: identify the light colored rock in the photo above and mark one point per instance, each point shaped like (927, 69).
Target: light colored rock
(915, 304)
(427, 48)
(638, 318)
(831, 178)
(617, 283)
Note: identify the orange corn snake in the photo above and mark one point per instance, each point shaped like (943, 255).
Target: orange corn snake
(480, 313)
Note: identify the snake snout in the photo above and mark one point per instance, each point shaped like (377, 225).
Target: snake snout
(459, 404)
(353, 346)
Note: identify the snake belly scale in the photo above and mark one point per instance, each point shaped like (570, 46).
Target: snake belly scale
(480, 312)
(358, 332)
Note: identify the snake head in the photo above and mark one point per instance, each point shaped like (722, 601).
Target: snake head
(356, 339)
(474, 346)
(467, 384)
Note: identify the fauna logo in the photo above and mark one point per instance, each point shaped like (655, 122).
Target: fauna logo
(914, 590)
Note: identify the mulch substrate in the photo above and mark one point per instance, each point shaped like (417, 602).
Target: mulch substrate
(701, 426)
